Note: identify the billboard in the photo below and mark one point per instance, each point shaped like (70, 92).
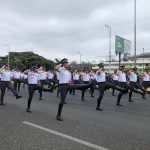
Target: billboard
(119, 44)
(123, 46)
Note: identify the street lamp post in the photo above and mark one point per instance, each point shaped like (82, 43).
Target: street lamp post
(109, 28)
(135, 33)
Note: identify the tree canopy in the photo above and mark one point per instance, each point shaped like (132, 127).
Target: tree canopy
(24, 60)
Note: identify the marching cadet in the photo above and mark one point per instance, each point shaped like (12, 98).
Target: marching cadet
(65, 84)
(101, 79)
(134, 86)
(122, 79)
(6, 77)
(64, 81)
(34, 84)
(114, 81)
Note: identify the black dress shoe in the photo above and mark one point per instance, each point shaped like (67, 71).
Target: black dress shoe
(59, 118)
(99, 109)
(28, 110)
(130, 100)
(92, 96)
(113, 95)
(143, 96)
(2, 104)
(40, 98)
(119, 104)
(17, 97)
(83, 99)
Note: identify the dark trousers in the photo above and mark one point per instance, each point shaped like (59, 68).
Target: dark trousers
(115, 82)
(123, 85)
(24, 81)
(43, 82)
(63, 89)
(75, 82)
(31, 89)
(7, 84)
(101, 86)
(93, 83)
(83, 91)
(134, 86)
(17, 83)
(57, 82)
(146, 84)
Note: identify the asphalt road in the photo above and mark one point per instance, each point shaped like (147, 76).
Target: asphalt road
(116, 128)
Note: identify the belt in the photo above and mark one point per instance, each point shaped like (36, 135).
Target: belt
(101, 82)
(63, 84)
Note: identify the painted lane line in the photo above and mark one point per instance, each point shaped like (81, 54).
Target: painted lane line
(65, 136)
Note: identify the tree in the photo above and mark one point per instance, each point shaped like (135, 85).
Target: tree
(24, 60)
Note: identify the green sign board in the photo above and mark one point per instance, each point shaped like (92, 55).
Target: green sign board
(119, 45)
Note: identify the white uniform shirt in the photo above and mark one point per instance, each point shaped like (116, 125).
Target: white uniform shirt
(101, 77)
(65, 75)
(76, 76)
(16, 74)
(42, 75)
(115, 77)
(133, 77)
(93, 76)
(86, 77)
(6, 75)
(33, 77)
(50, 75)
(146, 77)
(122, 77)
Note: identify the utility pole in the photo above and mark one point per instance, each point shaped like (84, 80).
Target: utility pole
(135, 33)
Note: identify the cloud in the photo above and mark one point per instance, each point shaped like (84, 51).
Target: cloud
(63, 27)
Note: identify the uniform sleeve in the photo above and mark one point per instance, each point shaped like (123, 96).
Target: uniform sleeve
(60, 69)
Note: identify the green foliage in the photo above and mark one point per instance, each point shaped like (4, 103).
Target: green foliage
(24, 60)
(147, 68)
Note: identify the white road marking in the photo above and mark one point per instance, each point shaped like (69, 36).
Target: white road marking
(65, 136)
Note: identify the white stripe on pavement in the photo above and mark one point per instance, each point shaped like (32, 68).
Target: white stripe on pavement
(65, 136)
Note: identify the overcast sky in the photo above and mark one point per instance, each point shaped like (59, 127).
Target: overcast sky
(61, 28)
